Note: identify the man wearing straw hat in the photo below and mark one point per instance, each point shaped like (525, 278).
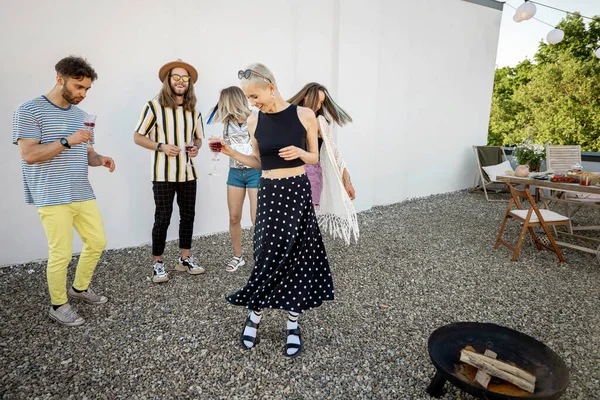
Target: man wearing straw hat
(172, 129)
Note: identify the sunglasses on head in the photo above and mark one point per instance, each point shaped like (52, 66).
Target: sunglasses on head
(247, 73)
(177, 77)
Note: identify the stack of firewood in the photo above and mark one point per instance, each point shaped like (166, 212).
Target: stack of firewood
(487, 366)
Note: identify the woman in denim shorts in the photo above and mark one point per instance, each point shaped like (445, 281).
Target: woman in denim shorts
(232, 110)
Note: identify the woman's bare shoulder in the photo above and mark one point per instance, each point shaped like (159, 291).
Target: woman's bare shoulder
(305, 113)
(252, 119)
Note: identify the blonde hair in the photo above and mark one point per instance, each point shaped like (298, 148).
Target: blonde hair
(232, 106)
(257, 79)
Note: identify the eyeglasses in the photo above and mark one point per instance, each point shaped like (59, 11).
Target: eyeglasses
(246, 75)
(177, 77)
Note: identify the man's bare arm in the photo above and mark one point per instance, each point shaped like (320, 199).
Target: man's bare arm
(32, 151)
(97, 160)
(147, 143)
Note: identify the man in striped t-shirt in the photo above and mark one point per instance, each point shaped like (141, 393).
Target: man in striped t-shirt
(55, 158)
(171, 128)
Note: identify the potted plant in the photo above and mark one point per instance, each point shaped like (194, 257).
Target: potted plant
(531, 154)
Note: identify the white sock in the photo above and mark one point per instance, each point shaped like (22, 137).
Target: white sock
(292, 323)
(254, 317)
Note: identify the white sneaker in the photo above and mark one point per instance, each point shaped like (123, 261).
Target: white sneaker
(65, 315)
(159, 275)
(189, 265)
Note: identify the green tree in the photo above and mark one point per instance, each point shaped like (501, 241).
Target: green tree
(557, 98)
(505, 107)
(579, 41)
(563, 104)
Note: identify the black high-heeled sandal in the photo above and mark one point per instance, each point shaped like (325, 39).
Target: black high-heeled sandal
(245, 338)
(293, 345)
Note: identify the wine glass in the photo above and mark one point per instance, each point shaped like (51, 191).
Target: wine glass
(214, 143)
(89, 123)
(189, 146)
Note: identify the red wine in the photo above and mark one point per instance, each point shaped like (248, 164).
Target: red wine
(189, 148)
(89, 124)
(215, 147)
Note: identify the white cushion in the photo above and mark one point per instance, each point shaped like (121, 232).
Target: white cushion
(498, 169)
(549, 216)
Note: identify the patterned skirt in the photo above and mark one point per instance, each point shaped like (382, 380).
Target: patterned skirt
(291, 270)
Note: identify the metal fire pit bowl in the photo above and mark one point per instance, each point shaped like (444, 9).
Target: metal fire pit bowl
(445, 344)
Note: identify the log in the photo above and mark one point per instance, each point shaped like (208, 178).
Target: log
(499, 369)
(503, 366)
(483, 378)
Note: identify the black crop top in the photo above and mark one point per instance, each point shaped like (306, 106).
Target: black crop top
(275, 131)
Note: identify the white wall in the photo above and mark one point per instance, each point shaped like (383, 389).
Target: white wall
(425, 78)
(415, 76)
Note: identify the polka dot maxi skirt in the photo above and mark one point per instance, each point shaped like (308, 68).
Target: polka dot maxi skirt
(291, 270)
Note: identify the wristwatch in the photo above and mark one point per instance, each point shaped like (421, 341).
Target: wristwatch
(158, 147)
(65, 143)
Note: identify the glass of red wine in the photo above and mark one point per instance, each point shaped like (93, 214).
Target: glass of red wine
(214, 143)
(89, 124)
(189, 146)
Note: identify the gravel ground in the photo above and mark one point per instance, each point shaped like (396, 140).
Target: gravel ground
(427, 259)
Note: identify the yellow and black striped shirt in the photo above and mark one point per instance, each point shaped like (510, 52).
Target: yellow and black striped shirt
(175, 127)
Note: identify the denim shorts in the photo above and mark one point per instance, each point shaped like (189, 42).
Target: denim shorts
(244, 178)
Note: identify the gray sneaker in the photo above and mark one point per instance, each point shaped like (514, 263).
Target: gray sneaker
(65, 315)
(89, 296)
(159, 275)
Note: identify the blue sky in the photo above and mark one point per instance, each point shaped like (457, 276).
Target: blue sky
(520, 40)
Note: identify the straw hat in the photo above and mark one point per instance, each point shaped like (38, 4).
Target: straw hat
(165, 69)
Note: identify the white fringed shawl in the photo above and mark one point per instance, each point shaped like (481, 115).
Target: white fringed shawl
(336, 213)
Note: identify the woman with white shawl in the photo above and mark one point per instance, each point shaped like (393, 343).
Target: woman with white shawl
(332, 189)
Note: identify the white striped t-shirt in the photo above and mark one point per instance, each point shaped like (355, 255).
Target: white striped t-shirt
(171, 126)
(63, 179)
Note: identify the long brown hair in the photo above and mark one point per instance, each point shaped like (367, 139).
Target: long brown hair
(308, 96)
(166, 97)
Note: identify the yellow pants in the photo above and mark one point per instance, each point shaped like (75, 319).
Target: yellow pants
(58, 222)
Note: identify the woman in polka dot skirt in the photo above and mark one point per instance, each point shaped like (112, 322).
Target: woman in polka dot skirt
(291, 270)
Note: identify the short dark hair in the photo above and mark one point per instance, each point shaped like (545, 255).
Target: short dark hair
(75, 67)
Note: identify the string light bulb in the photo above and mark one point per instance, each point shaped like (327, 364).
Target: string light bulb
(555, 36)
(526, 11)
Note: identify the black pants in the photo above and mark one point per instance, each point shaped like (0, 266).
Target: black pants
(164, 193)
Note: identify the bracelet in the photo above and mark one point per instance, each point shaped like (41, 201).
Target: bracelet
(158, 147)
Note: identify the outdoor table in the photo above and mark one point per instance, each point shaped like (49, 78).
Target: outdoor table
(558, 190)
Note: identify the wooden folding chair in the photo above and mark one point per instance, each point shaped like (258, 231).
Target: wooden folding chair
(530, 217)
(484, 157)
